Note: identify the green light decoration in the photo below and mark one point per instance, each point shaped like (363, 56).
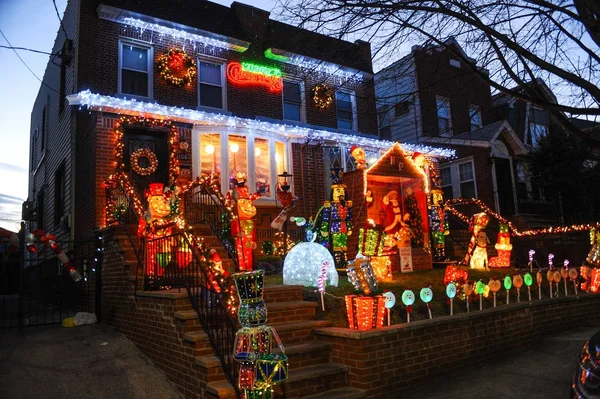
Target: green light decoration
(507, 283)
(265, 70)
(480, 287)
(528, 280)
(451, 290)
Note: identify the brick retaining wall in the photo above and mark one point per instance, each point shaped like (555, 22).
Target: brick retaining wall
(388, 360)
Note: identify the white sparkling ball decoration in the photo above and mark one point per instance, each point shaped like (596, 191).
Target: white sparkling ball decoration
(304, 263)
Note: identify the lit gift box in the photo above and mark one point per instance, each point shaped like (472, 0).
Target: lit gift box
(455, 274)
(371, 241)
(252, 342)
(365, 312)
(183, 258)
(247, 376)
(360, 274)
(271, 369)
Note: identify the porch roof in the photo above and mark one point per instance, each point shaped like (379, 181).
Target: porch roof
(292, 133)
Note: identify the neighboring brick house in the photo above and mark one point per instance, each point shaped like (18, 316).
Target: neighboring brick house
(432, 97)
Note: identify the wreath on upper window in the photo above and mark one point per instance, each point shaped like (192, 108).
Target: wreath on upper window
(322, 96)
(177, 68)
(140, 153)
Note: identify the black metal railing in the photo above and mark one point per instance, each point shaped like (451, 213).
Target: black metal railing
(203, 206)
(176, 260)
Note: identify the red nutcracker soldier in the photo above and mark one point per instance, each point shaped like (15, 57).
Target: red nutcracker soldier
(243, 228)
(287, 200)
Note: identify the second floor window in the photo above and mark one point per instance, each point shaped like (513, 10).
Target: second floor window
(292, 101)
(467, 180)
(536, 131)
(211, 86)
(135, 74)
(346, 115)
(59, 194)
(443, 115)
(446, 174)
(475, 117)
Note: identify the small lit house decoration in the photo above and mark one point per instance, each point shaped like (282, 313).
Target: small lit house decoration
(176, 67)
(503, 247)
(322, 96)
(360, 274)
(390, 181)
(365, 312)
(48, 240)
(260, 369)
(476, 256)
(303, 265)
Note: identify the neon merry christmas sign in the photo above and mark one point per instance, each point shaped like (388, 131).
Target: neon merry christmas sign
(248, 73)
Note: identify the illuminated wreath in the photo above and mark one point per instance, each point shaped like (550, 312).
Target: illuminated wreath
(322, 96)
(176, 67)
(135, 161)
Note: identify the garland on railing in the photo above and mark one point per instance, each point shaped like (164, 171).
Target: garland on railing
(449, 206)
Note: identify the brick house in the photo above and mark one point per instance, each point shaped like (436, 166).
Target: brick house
(431, 96)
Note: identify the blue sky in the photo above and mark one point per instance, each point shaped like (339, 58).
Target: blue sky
(32, 24)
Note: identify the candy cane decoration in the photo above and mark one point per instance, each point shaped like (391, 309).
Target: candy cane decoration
(321, 282)
(550, 257)
(531, 253)
(565, 274)
(48, 239)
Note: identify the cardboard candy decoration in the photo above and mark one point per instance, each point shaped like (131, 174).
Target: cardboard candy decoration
(426, 296)
(528, 280)
(556, 277)
(495, 285)
(518, 281)
(390, 299)
(539, 278)
(507, 283)
(573, 274)
(550, 275)
(451, 291)
(480, 289)
(564, 272)
(408, 298)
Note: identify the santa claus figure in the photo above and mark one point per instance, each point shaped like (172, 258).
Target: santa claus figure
(243, 227)
(393, 212)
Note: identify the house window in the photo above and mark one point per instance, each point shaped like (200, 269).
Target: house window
(293, 93)
(443, 114)
(536, 131)
(346, 110)
(401, 108)
(238, 155)
(40, 210)
(446, 174)
(135, 75)
(455, 63)
(262, 162)
(59, 194)
(475, 117)
(210, 158)
(467, 180)
(211, 86)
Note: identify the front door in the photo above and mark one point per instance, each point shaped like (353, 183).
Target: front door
(505, 187)
(157, 142)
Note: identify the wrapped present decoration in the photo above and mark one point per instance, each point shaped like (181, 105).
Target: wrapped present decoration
(271, 369)
(382, 267)
(247, 376)
(365, 312)
(371, 241)
(252, 342)
(360, 274)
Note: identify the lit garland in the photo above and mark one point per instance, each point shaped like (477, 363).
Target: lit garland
(120, 105)
(322, 96)
(176, 67)
(449, 206)
(147, 153)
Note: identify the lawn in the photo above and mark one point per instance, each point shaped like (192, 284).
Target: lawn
(335, 306)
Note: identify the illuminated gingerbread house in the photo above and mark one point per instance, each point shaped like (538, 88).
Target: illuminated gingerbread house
(391, 196)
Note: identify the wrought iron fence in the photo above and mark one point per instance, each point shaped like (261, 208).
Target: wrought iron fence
(36, 289)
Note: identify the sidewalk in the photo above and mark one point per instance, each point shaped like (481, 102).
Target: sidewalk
(56, 362)
(542, 370)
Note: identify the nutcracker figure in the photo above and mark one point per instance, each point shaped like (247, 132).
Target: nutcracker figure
(243, 227)
(593, 258)
(438, 224)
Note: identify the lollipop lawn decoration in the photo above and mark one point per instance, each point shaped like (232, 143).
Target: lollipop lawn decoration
(573, 276)
(507, 287)
(557, 277)
(564, 273)
(468, 290)
(495, 286)
(528, 282)
(480, 289)
(451, 292)
(550, 273)
(518, 283)
(538, 279)
(426, 296)
(390, 301)
(408, 298)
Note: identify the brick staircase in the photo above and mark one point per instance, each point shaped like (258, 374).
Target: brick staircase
(188, 359)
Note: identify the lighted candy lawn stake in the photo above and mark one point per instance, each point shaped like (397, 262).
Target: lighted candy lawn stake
(480, 289)
(564, 273)
(321, 282)
(495, 286)
(426, 296)
(538, 279)
(550, 257)
(531, 253)
(518, 283)
(408, 298)
(528, 282)
(573, 276)
(390, 301)
(507, 287)
(451, 292)
(557, 277)
(468, 290)
(550, 277)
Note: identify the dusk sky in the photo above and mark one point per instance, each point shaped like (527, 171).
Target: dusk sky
(32, 24)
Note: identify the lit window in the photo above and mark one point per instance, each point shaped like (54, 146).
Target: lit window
(446, 174)
(135, 75)
(346, 110)
(292, 101)
(536, 131)
(238, 160)
(262, 162)
(443, 114)
(467, 180)
(280, 157)
(475, 117)
(210, 84)
(210, 154)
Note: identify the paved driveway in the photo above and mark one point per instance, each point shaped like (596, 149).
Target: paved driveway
(542, 370)
(55, 362)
